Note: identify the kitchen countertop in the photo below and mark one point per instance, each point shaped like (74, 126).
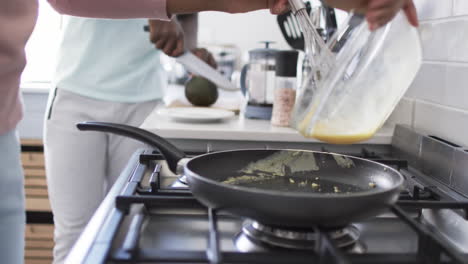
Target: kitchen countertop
(236, 129)
(239, 129)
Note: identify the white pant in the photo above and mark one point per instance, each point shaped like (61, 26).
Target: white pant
(12, 216)
(82, 166)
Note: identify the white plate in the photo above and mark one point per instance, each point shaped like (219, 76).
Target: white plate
(196, 115)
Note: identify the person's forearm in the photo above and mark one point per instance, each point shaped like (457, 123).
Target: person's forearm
(190, 7)
(155, 9)
(229, 6)
(189, 24)
(160, 9)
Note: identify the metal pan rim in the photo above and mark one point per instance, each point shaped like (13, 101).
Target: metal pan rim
(399, 185)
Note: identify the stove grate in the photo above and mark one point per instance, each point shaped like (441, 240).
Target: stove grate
(431, 249)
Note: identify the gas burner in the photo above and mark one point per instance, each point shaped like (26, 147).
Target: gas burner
(181, 182)
(257, 237)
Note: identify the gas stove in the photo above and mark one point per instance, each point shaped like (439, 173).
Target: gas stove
(150, 216)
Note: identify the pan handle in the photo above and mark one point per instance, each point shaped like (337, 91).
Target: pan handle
(170, 152)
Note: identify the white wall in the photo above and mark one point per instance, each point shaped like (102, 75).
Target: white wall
(242, 30)
(437, 102)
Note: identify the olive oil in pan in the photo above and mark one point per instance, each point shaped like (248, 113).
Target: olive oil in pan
(304, 184)
(283, 162)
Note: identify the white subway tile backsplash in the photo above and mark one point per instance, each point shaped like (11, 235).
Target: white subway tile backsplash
(433, 43)
(445, 40)
(445, 84)
(456, 94)
(445, 122)
(458, 43)
(460, 7)
(429, 81)
(403, 113)
(432, 9)
(440, 90)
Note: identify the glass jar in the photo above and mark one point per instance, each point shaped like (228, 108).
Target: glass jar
(285, 87)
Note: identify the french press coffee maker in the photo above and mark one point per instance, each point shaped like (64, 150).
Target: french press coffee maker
(258, 82)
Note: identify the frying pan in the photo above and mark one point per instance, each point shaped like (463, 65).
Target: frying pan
(276, 187)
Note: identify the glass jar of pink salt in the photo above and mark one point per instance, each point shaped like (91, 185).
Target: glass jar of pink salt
(286, 84)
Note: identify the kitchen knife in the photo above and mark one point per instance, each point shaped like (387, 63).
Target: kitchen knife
(197, 66)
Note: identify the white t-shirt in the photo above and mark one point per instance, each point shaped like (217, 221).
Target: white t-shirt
(111, 60)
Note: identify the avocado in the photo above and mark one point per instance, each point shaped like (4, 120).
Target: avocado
(201, 92)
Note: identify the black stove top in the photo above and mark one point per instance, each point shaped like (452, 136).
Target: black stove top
(153, 222)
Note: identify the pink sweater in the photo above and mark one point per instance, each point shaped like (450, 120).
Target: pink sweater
(17, 20)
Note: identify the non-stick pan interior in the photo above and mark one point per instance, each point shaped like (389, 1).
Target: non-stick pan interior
(295, 171)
